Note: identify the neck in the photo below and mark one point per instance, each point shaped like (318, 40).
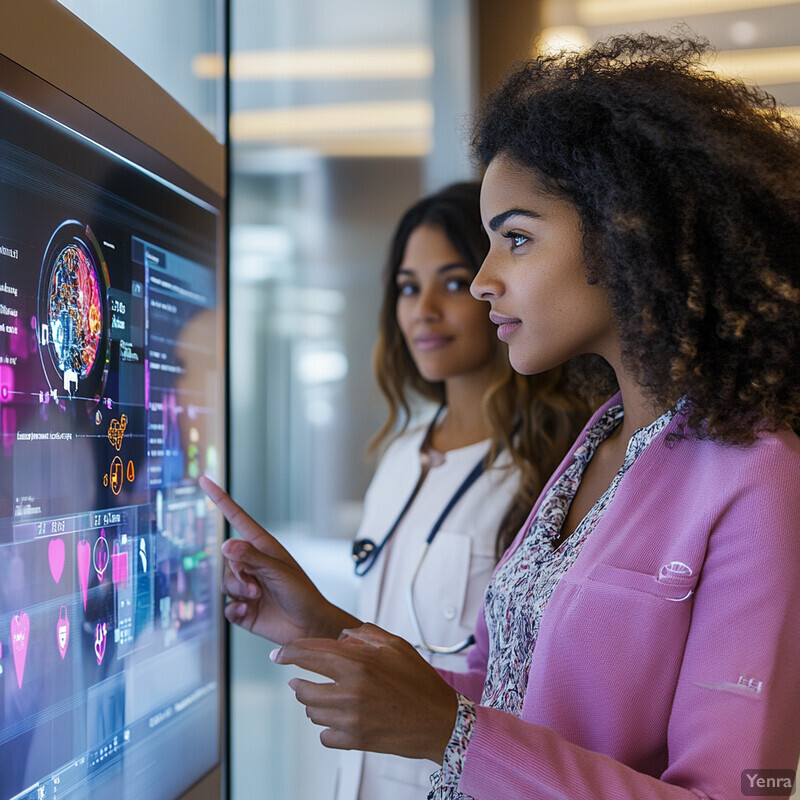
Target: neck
(465, 422)
(640, 410)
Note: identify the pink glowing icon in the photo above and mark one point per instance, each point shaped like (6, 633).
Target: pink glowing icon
(62, 631)
(119, 565)
(84, 559)
(100, 638)
(20, 633)
(6, 383)
(100, 556)
(56, 553)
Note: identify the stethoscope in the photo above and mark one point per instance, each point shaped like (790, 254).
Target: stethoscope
(366, 552)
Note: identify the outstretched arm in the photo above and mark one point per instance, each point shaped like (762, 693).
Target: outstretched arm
(270, 593)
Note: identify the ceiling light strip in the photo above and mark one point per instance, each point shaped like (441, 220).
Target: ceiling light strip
(291, 123)
(614, 12)
(764, 66)
(386, 63)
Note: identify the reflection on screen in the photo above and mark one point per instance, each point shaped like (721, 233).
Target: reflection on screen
(110, 387)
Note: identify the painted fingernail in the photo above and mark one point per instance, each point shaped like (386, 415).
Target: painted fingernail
(273, 656)
(292, 684)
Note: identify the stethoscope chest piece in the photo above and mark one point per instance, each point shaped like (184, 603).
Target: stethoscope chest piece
(365, 551)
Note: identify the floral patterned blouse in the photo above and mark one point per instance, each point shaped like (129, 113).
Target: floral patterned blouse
(518, 593)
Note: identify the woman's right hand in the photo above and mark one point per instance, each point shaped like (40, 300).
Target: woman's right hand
(269, 592)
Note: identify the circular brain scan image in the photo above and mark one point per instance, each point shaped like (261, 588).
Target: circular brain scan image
(75, 310)
(72, 323)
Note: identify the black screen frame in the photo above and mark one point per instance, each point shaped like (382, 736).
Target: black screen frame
(33, 91)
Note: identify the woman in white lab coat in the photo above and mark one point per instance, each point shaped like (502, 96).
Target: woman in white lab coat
(451, 490)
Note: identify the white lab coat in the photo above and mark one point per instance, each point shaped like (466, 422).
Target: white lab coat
(449, 589)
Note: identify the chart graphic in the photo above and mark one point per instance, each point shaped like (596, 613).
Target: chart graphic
(84, 560)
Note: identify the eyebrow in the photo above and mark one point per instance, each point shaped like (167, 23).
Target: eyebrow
(497, 221)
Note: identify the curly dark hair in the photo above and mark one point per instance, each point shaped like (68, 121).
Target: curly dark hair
(535, 417)
(688, 189)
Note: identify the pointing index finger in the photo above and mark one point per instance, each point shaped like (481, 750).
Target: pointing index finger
(237, 516)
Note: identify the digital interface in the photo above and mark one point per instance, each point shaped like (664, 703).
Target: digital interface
(111, 388)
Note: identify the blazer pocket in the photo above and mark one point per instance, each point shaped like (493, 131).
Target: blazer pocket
(675, 583)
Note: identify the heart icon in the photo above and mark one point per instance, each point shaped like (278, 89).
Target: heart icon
(56, 552)
(20, 631)
(84, 559)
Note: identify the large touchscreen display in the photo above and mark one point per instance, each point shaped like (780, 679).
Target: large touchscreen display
(110, 408)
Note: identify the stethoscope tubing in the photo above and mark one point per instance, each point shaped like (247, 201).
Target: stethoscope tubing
(423, 646)
(366, 552)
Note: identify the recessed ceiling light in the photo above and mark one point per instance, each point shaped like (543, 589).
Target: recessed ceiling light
(743, 32)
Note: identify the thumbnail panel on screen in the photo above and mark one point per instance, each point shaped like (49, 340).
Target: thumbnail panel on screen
(110, 397)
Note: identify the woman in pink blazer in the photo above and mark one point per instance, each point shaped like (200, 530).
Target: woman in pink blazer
(640, 638)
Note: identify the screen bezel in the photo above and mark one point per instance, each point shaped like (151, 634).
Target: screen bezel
(33, 91)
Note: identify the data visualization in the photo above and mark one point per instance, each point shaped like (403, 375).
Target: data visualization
(111, 402)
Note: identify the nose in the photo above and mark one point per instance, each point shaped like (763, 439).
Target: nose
(427, 306)
(486, 285)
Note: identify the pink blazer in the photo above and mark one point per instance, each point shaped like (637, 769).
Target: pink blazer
(650, 681)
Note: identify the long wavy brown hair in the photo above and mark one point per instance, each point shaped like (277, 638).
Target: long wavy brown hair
(534, 417)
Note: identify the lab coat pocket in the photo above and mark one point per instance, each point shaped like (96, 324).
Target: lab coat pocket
(450, 587)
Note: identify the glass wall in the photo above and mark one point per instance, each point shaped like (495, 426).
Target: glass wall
(342, 115)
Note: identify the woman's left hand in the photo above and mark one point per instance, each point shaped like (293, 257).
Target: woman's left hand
(384, 697)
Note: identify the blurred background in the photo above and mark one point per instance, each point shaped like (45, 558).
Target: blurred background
(342, 114)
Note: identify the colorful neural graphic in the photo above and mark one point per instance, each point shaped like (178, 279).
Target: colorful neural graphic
(75, 311)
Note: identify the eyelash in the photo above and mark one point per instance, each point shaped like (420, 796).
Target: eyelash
(513, 237)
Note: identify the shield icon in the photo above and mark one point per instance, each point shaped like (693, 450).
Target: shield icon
(62, 630)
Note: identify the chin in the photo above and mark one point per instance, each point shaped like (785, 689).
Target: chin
(522, 366)
(526, 365)
(433, 377)
(432, 371)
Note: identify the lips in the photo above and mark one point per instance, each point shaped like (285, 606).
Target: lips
(505, 325)
(431, 341)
